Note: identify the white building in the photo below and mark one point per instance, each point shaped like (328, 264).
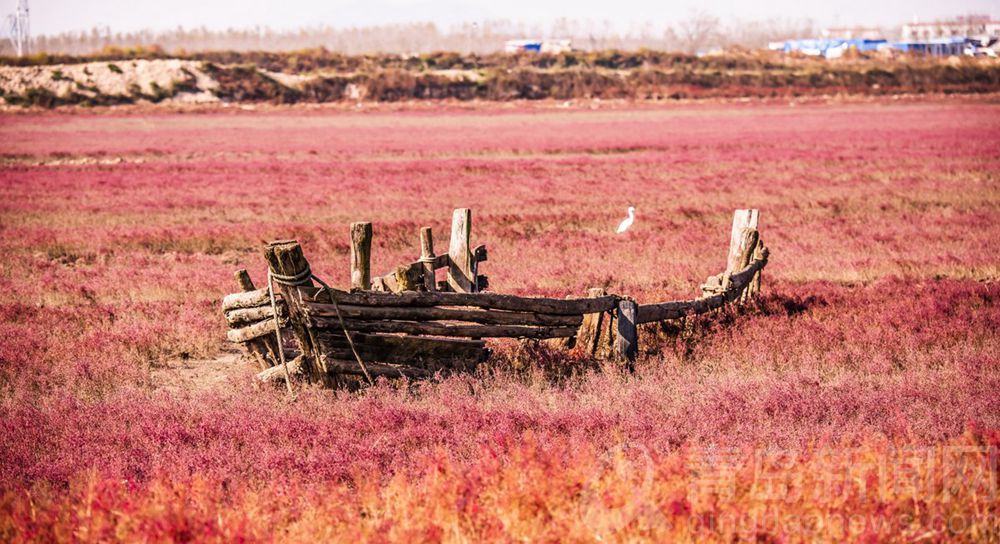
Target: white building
(970, 26)
(852, 33)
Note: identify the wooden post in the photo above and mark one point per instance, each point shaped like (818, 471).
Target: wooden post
(427, 258)
(461, 277)
(742, 219)
(627, 340)
(750, 242)
(758, 253)
(244, 281)
(259, 348)
(588, 337)
(285, 259)
(361, 256)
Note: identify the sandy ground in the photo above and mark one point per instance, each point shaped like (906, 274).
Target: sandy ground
(201, 374)
(111, 78)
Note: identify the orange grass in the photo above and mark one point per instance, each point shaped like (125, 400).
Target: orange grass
(873, 492)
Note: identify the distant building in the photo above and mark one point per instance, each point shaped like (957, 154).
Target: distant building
(941, 47)
(829, 48)
(852, 33)
(538, 46)
(960, 27)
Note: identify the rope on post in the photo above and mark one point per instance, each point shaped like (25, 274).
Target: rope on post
(300, 279)
(277, 328)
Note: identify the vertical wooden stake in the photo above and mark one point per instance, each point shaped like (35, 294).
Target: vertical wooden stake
(259, 348)
(243, 280)
(758, 253)
(749, 245)
(427, 258)
(361, 256)
(742, 219)
(461, 277)
(627, 340)
(588, 336)
(285, 259)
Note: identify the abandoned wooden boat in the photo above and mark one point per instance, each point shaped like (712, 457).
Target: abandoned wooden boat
(407, 324)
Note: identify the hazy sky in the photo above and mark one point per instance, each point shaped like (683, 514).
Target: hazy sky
(52, 16)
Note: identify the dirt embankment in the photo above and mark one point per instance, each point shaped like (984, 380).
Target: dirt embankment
(98, 83)
(192, 80)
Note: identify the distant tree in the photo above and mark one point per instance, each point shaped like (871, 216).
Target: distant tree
(698, 31)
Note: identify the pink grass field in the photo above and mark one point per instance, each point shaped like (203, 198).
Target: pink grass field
(858, 400)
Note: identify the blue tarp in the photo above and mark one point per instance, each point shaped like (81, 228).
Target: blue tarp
(821, 46)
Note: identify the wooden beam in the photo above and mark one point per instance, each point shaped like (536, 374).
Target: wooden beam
(375, 370)
(489, 317)
(649, 313)
(241, 316)
(361, 256)
(461, 277)
(627, 339)
(248, 299)
(412, 350)
(259, 343)
(250, 332)
(575, 306)
(285, 259)
(440, 329)
(297, 367)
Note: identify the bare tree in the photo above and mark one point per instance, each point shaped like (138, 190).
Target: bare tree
(698, 31)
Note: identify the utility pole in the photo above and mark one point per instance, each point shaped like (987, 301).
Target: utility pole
(20, 29)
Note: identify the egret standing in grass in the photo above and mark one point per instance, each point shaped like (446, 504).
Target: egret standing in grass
(628, 221)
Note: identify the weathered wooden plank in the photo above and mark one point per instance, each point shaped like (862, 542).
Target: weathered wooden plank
(488, 317)
(574, 306)
(441, 329)
(361, 256)
(375, 370)
(297, 368)
(250, 332)
(242, 316)
(627, 338)
(248, 299)
(648, 313)
(461, 277)
(427, 363)
(390, 348)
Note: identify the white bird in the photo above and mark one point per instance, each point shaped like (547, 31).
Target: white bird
(627, 222)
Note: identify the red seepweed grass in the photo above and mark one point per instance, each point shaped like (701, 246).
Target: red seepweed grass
(874, 347)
